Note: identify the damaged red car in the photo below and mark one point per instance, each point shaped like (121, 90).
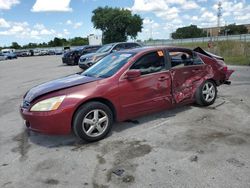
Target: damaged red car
(122, 86)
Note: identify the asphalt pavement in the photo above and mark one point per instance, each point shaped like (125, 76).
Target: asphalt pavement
(188, 146)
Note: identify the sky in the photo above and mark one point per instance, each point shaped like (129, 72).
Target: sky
(25, 21)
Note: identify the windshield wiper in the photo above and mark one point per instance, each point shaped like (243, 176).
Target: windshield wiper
(88, 75)
(103, 76)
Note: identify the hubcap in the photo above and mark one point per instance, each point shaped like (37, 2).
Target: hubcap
(208, 92)
(95, 123)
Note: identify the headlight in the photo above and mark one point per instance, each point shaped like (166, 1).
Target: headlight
(96, 58)
(89, 58)
(48, 104)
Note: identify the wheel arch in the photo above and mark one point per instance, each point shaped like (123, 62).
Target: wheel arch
(97, 99)
(217, 83)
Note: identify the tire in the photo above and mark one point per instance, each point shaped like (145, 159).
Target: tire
(206, 94)
(90, 128)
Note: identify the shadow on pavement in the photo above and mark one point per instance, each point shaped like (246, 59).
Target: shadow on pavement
(55, 141)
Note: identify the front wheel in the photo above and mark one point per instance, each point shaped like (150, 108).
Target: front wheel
(92, 121)
(206, 94)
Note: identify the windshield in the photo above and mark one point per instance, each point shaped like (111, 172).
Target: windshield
(105, 48)
(109, 65)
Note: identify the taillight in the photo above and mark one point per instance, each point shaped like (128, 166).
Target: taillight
(225, 68)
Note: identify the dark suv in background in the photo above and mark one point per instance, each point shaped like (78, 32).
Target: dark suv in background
(71, 57)
(88, 60)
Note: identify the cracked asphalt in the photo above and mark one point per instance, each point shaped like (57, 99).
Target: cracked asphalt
(187, 146)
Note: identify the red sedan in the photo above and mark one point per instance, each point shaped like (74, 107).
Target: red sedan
(121, 86)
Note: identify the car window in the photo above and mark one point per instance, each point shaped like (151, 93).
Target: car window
(105, 48)
(109, 65)
(89, 50)
(197, 60)
(181, 58)
(118, 47)
(150, 63)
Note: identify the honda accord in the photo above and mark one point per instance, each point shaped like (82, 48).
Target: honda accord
(121, 86)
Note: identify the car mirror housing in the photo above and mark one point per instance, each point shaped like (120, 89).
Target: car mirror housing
(132, 74)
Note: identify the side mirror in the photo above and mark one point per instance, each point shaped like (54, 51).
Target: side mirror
(132, 74)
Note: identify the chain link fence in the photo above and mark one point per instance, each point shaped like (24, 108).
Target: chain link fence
(234, 48)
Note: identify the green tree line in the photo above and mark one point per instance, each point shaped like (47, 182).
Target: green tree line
(77, 41)
(193, 31)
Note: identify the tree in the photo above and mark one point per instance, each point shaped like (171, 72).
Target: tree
(78, 41)
(234, 29)
(30, 45)
(191, 31)
(116, 24)
(15, 45)
(58, 42)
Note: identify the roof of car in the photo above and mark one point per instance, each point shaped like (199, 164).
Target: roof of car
(114, 43)
(151, 48)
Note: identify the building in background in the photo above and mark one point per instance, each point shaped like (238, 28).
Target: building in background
(95, 39)
(215, 31)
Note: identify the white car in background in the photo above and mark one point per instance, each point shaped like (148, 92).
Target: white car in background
(3, 57)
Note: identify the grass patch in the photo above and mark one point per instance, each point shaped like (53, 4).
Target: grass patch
(234, 52)
(238, 60)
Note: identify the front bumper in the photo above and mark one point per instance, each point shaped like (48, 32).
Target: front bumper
(83, 66)
(52, 122)
(68, 61)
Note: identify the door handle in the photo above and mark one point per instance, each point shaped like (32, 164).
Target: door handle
(163, 78)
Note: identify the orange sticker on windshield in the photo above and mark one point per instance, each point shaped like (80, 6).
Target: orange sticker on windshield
(160, 53)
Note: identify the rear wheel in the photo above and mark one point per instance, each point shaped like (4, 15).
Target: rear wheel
(92, 121)
(206, 94)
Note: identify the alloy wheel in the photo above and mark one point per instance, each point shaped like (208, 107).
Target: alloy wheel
(95, 123)
(208, 92)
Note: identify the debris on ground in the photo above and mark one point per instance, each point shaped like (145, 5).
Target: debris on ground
(118, 172)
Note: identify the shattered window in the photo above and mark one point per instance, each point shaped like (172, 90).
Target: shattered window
(150, 63)
(181, 59)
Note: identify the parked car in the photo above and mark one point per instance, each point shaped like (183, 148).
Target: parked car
(10, 55)
(44, 52)
(2, 57)
(23, 53)
(58, 52)
(36, 52)
(88, 60)
(51, 52)
(121, 86)
(71, 57)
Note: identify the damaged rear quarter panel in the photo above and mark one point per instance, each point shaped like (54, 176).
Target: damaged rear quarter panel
(186, 80)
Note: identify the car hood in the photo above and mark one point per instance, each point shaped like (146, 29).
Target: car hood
(89, 55)
(58, 84)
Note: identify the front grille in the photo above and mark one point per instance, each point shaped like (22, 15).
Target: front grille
(25, 104)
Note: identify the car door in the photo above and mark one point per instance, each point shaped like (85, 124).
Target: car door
(187, 69)
(151, 91)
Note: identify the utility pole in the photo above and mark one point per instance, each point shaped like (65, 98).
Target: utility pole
(151, 29)
(219, 13)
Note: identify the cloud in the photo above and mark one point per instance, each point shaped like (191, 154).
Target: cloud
(68, 22)
(76, 25)
(4, 23)
(161, 6)
(51, 6)
(39, 26)
(24, 30)
(190, 5)
(149, 6)
(7, 4)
